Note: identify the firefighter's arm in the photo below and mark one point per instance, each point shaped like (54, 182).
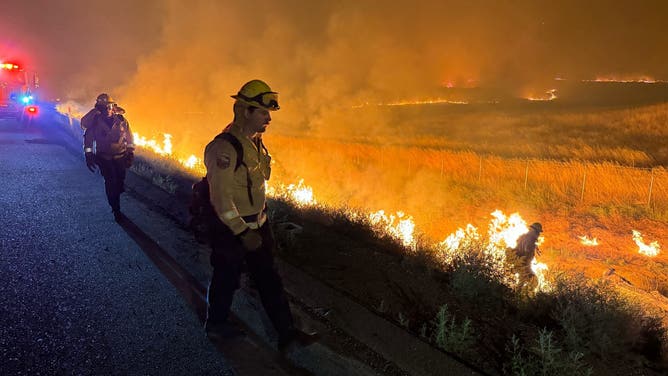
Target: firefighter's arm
(88, 150)
(220, 160)
(88, 119)
(131, 137)
(88, 139)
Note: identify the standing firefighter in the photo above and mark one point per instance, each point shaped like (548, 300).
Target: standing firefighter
(523, 254)
(238, 164)
(108, 144)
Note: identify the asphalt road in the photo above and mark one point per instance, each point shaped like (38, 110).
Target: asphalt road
(78, 295)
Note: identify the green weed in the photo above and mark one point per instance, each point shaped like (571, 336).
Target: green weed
(453, 336)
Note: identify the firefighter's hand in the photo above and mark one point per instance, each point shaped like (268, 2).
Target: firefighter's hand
(129, 158)
(90, 162)
(251, 239)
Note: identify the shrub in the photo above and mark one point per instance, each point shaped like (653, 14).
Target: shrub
(595, 319)
(545, 358)
(451, 336)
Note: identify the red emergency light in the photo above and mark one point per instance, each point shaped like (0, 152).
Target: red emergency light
(9, 66)
(32, 110)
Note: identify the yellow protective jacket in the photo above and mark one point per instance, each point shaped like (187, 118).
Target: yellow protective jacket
(229, 187)
(111, 141)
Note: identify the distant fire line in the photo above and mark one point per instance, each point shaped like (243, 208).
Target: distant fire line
(413, 103)
(638, 79)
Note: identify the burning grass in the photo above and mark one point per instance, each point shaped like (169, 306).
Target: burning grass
(441, 183)
(465, 304)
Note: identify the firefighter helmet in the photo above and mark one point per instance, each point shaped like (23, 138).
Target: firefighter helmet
(258, 94)
(104, 100)
(537, 226)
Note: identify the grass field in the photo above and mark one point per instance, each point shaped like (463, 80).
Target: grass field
(599, 173)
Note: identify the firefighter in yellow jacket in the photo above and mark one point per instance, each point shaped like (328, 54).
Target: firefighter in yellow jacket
(108, 144)
(238, 164)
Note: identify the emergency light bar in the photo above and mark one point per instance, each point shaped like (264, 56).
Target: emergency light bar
(9, 66)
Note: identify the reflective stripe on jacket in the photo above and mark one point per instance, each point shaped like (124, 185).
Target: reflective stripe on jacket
(110, 141)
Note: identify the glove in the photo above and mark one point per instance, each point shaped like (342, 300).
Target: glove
(129, 158)
(90, 161)
(251, 239)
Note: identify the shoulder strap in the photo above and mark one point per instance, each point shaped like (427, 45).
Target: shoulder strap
(236, 144)
(229, 137)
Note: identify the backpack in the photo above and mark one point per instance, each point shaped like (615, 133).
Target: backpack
(88, 119)
(203, 218)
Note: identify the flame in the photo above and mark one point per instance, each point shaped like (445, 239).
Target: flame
(413, 102)
(588, 242)
(551, 95)
(458, 243)
(191, 161)
(539, 269)
(503, 233)
(70, 109)
(637, 79)
(164, 149)
(400, 227)
(650, 250)
(299, 194)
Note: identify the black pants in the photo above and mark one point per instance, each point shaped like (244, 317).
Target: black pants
(227, 259)
(113, 171)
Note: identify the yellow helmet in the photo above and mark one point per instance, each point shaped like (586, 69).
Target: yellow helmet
(104, 100)
(258, 94)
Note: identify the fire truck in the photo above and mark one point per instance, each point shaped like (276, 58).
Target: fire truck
(17, 92)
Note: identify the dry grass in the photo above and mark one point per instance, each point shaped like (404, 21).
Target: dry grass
(444, 184)
(427, 181)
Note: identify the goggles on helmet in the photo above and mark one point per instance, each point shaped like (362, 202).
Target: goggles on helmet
(267, 100)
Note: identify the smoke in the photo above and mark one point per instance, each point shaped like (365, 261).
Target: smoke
(79, 48)
(174, 64)
(325, 56)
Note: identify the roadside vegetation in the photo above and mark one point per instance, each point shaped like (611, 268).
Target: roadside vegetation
(465, 307)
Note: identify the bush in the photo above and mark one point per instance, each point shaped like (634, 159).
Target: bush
(451, 336)
(546, 358)
(596, 320)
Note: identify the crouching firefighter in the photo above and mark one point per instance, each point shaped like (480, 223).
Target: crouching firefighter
(108, 144)
(237, 165)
